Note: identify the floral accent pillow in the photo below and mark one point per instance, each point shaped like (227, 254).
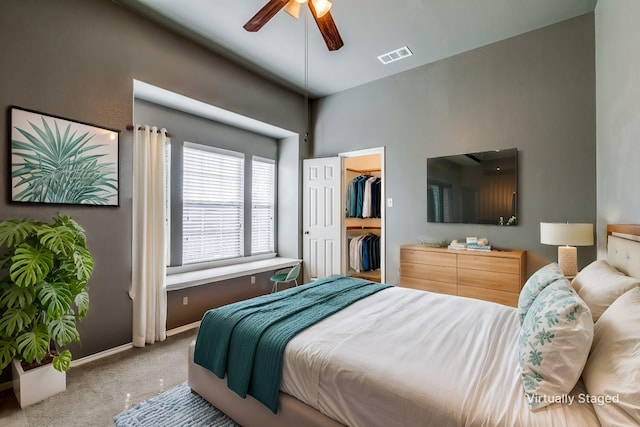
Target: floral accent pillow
(536, 283)
(555, 340)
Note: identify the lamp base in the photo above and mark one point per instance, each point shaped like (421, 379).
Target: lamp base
(568, 260)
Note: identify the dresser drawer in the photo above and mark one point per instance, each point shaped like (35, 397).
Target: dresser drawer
(424, 257)
(489, 280)
(501, 297)
(428, 272)
(493, 276)
(429, 285)
(489, 263)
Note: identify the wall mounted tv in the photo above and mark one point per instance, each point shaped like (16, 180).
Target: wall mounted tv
(473, 188)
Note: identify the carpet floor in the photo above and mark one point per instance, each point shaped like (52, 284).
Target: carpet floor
(99, 390)
(175, 407)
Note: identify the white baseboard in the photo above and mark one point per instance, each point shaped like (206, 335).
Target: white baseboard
(128, 346)
(183, 328)
(98, 356)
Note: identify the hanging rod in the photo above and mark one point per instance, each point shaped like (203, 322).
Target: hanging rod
(131, 127)
(364, 171)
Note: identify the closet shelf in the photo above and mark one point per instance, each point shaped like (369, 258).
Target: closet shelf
(364, 227)
(363, 171)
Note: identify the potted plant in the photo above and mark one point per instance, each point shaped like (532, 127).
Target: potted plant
(44, 270)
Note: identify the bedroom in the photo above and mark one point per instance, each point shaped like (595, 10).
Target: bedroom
(580, 124)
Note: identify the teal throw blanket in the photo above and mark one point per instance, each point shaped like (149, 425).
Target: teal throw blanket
(246, 340)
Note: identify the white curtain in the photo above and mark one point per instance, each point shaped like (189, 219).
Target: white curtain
(148, 251)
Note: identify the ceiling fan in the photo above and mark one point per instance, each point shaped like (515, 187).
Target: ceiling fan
(319, 10)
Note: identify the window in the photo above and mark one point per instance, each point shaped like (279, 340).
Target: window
(212, 205)
(438, 202)
(262, 205)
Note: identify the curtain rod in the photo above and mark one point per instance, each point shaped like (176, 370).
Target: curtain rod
(131, 127)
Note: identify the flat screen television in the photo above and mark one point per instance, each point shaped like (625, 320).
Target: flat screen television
(473, 188)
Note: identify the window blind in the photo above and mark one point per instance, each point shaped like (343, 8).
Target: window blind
(262, 205)
(213, 204)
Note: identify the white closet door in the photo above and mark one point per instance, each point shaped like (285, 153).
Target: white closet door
(321, 217)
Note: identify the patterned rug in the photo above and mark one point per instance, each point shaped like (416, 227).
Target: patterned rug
(175, 407)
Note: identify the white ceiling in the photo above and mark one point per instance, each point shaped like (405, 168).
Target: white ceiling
(432, 29)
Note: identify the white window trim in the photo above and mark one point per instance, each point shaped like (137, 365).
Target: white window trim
(202, 277)
(179, 269)
(167, 190)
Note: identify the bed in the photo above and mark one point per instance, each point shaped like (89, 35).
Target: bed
(413, 358)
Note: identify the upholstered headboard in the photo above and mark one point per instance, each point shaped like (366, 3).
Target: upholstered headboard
(623, 249)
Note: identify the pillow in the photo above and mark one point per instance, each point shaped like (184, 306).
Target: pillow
(554, 344)
(599, 284)
(612, 372)
(536, 283)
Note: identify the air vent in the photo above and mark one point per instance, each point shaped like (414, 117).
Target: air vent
(395, 55)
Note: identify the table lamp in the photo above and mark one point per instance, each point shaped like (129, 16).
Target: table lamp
(566, 236)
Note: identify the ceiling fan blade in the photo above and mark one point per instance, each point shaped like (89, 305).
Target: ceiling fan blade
(264, 15)
(327, 28)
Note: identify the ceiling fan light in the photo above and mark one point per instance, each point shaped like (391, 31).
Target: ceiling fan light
(293, 8)
(322, 7)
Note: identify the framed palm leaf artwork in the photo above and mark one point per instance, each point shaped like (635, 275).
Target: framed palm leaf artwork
(57, 160)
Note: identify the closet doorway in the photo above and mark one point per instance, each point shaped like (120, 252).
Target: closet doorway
(363, 207)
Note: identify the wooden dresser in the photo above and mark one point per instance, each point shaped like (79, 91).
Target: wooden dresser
(494, 276)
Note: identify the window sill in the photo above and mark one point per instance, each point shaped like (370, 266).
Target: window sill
(201, 277)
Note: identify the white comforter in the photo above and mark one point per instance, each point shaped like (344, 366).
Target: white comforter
(409, 358)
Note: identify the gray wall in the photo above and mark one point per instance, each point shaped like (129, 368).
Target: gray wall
(618, 114)
(78, 59)
(204, 297)
(535, 92)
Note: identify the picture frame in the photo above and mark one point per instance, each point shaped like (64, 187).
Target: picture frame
(62, 161)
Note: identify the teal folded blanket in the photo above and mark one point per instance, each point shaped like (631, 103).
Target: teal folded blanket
(246, 340)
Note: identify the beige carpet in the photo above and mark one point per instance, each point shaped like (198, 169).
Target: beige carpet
(101, 389)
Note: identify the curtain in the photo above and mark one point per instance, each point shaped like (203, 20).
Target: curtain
(148, 250)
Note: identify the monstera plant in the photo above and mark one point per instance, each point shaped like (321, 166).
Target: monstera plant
(44, 270)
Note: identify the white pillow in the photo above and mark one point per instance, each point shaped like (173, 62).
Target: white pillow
(612, 372)
(535, 284)
(554, 344)
(599, 284)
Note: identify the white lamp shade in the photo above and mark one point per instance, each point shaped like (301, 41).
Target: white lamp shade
(558, 233)
(293, 8)
(322, 7)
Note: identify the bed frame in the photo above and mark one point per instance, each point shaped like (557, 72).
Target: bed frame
(623, 252)
(629, 229)
(249, 412)
(623, 241)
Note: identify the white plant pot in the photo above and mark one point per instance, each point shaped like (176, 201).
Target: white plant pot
(36, 384)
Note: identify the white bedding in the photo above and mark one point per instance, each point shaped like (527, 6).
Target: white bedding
(407, 358)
